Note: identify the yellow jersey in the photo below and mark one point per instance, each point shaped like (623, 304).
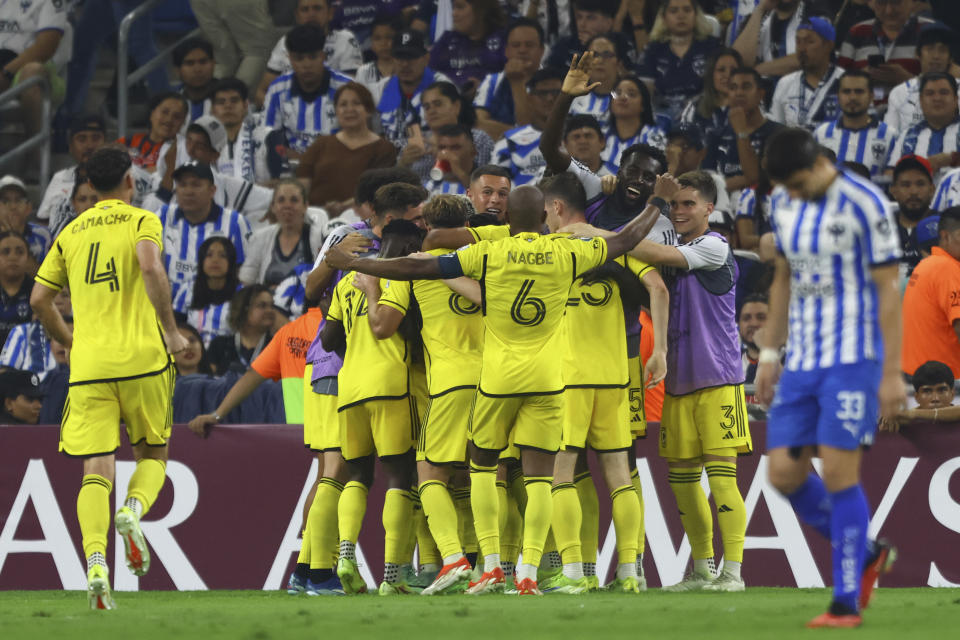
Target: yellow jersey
(525, 282)
(490, 232)
(372, 369)
(594, 329)
(452, 331)
(116, 333)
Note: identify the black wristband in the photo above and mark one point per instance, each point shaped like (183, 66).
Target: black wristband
(661, 204)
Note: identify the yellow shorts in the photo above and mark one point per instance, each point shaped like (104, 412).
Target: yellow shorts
(705, 420)
(443, 436)
(321, 424)
(418, 390)
(93, 413)
(534, 421)
(596, 417)
(385, 427)
(635, 395)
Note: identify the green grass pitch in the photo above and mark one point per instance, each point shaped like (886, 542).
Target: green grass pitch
(256, 615)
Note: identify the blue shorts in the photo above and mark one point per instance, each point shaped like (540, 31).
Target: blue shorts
(837, 407)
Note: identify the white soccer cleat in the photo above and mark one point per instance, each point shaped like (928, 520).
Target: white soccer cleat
(137, 553)
(693, 581)
(98, 588)
(726, 582)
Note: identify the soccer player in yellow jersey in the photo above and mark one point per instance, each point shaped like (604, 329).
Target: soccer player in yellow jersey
(377, 416)
(525, 281)
(595, 369)
(452, 332)
(121, 368)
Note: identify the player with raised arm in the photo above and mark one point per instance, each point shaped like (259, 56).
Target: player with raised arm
(525, 282)
(123, 336)
(835, 303)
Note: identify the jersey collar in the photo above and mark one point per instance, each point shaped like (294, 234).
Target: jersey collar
(215, 212)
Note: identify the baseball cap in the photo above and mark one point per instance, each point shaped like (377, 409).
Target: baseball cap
(820, 26)
(216, 134)
(15, 382)
(409, 43)
(935, 33)
(926, 233)
(12, 181)
(91, 122)
(690, 132)
(906, 163)
(198, 169)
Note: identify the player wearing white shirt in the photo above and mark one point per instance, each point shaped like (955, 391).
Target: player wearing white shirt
(808, 97)
(247, 153)
(937, 137)
(86, 135)
(933, 51)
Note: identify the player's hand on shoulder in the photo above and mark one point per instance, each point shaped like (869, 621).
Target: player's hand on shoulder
(337, 258)
(355, 243)
(202, 424)
(583, 230)
(656, 368)
(368, 284)
(666, 187)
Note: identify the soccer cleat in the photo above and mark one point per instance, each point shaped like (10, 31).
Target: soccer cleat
(398, 588)
(546, 574)
(594, 582)
(528, 587)
(879, 563)
(829, 620)
(417, 581)
(725, 582)
(350, 577)
(563, 584)
(510, 586)
(137, 553)
(296, 585)
(329, 587)
(489, 582)
(624, 585)
(98, 588)
(693, 581)
(450, 578)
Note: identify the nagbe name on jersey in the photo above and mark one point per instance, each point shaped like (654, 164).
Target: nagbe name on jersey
(97, 221)
(530, 257)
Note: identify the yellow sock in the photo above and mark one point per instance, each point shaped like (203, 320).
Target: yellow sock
(502, 501)
(517, 489)
(537, 518)
(694, 510)
(485, 506)
(304, 556)
(566, 521)
(410, 527)
(512, 528)
(397, 521)
(93, 512)
(590, 522)
(350, 510)
(465, 525)
(731, 513)
(626, 521)
(441, 516)
(146, 482)
(322, 524)
(641, 539)
(427, 551)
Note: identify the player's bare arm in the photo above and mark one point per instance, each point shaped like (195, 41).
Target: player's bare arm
(158, 291)
(240, 391)
(393, 268)
(576, 83)
(320, 276)
(333, 337)
(774, 335)
(637, 229)
(656, 366)
(892, 394)
(384, 320)
(446, 238)
(466, 287)
(41, 300)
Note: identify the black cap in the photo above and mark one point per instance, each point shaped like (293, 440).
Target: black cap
(935, 33)
(689, 132)
(91, 122)
(198, 169)
(15, 382)
(409, 43)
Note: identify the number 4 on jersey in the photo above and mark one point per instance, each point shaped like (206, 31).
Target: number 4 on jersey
(109, 275)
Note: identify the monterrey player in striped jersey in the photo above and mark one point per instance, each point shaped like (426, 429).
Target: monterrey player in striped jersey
(835, 302)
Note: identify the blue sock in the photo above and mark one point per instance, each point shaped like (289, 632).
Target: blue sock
(848, 528)
(812, 504)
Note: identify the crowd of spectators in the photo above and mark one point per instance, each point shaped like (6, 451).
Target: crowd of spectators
(263, 142)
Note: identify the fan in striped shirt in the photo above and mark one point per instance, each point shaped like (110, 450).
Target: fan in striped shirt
(206, 303)
(937, 138)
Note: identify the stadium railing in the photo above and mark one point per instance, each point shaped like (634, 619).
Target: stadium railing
(125, 79)
(42, 138)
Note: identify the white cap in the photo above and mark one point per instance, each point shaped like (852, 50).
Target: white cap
(214, 130)
(12, 181)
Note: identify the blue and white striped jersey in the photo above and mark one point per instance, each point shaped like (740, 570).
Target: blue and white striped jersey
(211, 321)
(182, 240)
(397, 110)
(495, 96)
(948, 191)
(302, 118)
(593, 104)
(441, 186)
(28, 348)
(921, 140)
(38, 240)
(653, 136)
(831, 244)
(747, 208)
(519, 153)
(870, 146)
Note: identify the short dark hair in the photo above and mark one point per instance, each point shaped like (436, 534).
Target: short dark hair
(856, 73)
(490, 170)
(395, 22)
(372, 179)
(403, 228)
(933, 76)
(582, 121)
(545, 73)
(366, 99)
(620, 46)
(230, 84)
(482, 220)
(526, 22)
(749, 71)
(606, 7)
(790, 150)
(190, 44)
(646, 150)
(565, 186)
(702, 182)
(399, 196)
(447, 211)
(858, 168)
(949, 220)
(827, 153)
(240, 304)
(453, 131)
(305, 38)
(753, 297)
(930, 373)
(106, 168)
(935, 34)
